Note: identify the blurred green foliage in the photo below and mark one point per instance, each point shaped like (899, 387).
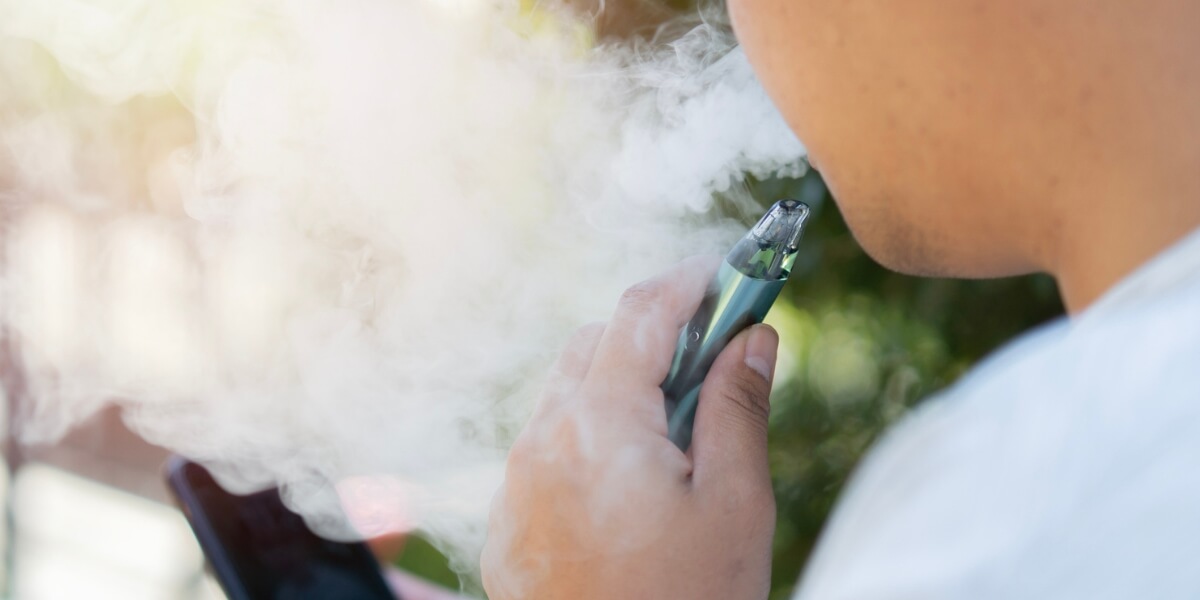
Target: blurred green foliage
(421, 558)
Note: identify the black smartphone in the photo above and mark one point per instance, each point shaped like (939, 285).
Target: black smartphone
(259, 550)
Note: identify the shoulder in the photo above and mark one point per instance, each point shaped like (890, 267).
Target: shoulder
(1033, 467)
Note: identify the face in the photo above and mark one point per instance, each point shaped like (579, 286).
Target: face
(940, 126)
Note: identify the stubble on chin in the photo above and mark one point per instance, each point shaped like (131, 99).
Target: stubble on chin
(898, 240)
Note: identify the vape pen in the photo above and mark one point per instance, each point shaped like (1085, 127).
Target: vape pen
(740, 295)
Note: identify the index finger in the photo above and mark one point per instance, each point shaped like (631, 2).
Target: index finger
(637, 347)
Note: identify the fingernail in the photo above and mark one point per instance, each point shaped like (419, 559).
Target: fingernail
(761, 349)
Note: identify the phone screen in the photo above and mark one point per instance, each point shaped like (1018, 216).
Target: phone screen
(259, 549)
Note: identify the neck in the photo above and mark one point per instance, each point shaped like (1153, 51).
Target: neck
(1129, 183)
(1107, 238)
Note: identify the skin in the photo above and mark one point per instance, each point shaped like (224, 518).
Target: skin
(968, 139)
(984, 139)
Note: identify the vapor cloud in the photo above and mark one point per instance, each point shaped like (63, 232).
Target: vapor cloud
(308, 241)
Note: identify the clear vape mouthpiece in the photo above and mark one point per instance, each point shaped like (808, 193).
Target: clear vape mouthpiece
(768, 251)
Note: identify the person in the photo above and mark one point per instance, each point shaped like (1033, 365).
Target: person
(965, 139)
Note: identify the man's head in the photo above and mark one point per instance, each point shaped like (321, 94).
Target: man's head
(958, 134)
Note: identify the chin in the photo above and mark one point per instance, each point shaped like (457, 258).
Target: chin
(906, 261)
(912, 252)
(901, 251)
(895, 243)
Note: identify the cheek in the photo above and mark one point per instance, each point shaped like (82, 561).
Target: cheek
(741, 13)
(792, 49)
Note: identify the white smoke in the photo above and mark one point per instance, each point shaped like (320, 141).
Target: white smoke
(307, 241)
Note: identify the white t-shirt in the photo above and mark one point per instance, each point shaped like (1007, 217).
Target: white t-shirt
(1067, 466)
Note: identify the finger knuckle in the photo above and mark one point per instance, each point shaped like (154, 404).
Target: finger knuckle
(643, 296)
(590, 331)
(747, 400)
(520, 454)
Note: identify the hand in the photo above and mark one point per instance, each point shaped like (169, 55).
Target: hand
(598, 503)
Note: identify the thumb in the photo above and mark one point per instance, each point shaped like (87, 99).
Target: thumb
(731, 418)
